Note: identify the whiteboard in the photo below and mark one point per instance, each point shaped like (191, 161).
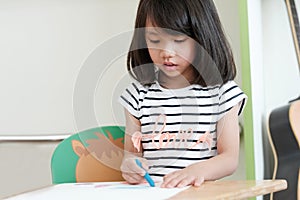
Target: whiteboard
(43, 46)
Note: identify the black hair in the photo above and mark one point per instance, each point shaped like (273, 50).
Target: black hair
(198, 19)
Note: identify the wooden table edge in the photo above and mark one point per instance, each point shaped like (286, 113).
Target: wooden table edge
(260, 187)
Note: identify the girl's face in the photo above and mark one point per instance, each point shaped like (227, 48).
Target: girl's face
(171, 53)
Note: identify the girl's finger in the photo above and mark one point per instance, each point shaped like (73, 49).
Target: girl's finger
(144, 164)
(198, 181)
(171, 180)
(130, 166)
(132, 178)
(186, 181)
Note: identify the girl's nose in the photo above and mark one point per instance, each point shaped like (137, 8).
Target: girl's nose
(165, 53)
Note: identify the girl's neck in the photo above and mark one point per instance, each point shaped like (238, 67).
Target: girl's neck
(173, 82)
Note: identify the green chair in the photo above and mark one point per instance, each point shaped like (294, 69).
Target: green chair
(92, 155)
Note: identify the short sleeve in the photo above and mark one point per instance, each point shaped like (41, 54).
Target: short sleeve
(230, 95)
(129, 99)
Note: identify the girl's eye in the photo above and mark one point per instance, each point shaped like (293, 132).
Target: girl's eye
(154, 41)
(180, 41)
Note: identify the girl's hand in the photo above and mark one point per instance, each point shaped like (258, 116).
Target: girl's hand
(183, 177)
(131, 172)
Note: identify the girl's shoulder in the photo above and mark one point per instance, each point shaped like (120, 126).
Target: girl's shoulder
(229, 90)
(230, 85)
(138, 87)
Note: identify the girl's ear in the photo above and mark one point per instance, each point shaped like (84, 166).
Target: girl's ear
(78, 148)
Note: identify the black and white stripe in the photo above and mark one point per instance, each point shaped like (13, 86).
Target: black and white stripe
(185, 114)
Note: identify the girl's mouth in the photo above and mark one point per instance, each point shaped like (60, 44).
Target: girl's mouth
(170, 66)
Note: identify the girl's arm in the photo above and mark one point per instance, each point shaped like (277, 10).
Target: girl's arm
(223, 164)
(130, 171)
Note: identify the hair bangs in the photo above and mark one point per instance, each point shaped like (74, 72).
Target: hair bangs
(173, 17)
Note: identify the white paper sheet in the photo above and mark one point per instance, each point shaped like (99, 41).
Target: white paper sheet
(103, 190)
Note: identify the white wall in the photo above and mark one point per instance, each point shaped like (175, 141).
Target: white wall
(256, 70)
(25, 166)
(281, 72)
(229, 15)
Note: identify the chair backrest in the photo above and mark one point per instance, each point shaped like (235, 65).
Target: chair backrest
(93, 155)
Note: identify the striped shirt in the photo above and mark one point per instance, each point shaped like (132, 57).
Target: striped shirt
(178, 126)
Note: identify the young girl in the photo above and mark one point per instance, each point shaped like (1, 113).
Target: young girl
(182, 108)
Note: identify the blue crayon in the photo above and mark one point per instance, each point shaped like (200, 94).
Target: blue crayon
(146, 176)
